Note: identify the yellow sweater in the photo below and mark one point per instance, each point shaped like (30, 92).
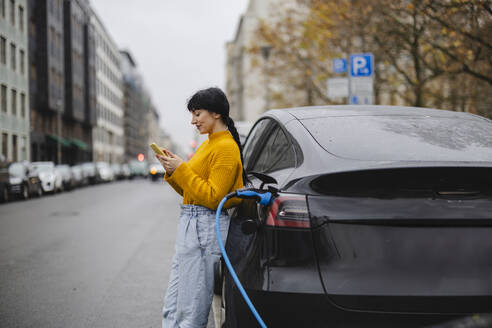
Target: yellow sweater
(214, 171)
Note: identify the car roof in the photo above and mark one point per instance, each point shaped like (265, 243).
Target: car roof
(390, 136)
(366, 110)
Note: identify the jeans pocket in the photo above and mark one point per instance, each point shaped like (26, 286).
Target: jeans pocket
(202, 231)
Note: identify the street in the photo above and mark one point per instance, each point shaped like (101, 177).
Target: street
(93, 257)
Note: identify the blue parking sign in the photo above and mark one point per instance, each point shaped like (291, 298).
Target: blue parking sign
(361, 65)
(339, 65)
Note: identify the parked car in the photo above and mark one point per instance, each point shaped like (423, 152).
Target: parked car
(104, 172)
(125, 170)
(89, 171)
(156, 171)
(51, 180)
(117, 171)
(66, 173)
(23, 181)
(138, 169)
(383, 218)
(78, 176)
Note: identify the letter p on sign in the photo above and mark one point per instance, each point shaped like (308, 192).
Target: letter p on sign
(361, 65)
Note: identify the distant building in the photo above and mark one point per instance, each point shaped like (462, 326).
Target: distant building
(14, 82)
(61, 88)
(136, 109)
(247, 88)
(108, 133)
(46, 77)
(79, 81)
(154, 133)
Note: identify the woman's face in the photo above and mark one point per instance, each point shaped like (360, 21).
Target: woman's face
(204, 120)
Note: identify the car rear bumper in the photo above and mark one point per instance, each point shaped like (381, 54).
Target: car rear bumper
(315, 310)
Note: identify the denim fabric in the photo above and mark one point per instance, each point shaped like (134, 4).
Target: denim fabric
(190, 290)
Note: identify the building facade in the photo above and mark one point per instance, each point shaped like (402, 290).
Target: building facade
(46, 78)
(245, 87)
(14, 81)
(60, 48)
(108, 133)
(79, 90)
(136, 109)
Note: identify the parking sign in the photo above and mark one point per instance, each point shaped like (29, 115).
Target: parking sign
(339, 65)
(361, 65)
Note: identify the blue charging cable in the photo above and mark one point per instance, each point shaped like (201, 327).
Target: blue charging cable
(264, 198)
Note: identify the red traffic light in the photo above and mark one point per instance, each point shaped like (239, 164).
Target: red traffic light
(140, 157)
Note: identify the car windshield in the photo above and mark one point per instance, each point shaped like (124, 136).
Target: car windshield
(16, 170)
(43, 167)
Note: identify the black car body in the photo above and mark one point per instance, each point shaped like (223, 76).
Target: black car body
(384, 219)
(23, 181)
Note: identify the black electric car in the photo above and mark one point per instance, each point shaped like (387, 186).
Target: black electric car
(383, 218)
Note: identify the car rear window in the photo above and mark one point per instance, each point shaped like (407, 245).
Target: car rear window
(410, 138)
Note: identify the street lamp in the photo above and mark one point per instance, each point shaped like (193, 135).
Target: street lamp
(265, 52)
(58, 128)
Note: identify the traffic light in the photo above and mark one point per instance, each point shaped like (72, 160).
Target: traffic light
(140, 157)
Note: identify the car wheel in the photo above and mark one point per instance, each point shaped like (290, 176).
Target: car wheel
(40, 191)
(25, 192)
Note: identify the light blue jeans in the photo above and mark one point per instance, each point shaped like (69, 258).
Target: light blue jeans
(191, 283)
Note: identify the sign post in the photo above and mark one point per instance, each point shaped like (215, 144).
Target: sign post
(361, 78)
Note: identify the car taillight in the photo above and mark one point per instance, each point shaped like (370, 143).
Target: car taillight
(289, 210)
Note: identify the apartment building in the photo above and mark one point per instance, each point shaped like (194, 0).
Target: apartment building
(14, 81)
(108, 132)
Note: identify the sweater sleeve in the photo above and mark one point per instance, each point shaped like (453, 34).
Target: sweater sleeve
(169, 179)
(209, 192)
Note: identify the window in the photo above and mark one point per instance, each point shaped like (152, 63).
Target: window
(5, 139)
(21, 18)
(277, 153)
(12, 12)
(23, 104)
(21, 63)
(52, 41)
(3, 98)
(14, 148)
(2, 8)
(3, 50)
(253, 140)
(24, 148)
(13, 101)
(12, 56)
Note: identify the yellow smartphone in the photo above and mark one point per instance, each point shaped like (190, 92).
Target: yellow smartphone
(156, 149)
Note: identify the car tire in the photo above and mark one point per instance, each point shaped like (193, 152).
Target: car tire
(25, 192)
(39, 192)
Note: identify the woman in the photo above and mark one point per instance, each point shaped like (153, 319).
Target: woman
(215, 170)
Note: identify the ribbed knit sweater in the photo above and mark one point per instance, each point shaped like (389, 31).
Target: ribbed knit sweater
(214, 171)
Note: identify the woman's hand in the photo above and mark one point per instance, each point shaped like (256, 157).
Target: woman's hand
(170, 162)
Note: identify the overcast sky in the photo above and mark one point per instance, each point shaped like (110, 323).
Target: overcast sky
(179, 48)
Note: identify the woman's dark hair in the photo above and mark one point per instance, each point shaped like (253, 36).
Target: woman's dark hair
(214, 100)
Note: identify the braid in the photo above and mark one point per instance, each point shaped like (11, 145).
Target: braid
(232, 129)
